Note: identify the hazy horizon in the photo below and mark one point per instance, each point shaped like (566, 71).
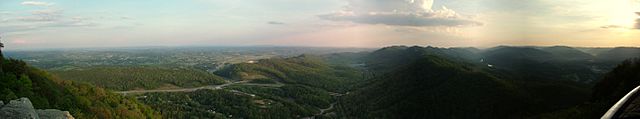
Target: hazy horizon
(284, 46)
(46, 24)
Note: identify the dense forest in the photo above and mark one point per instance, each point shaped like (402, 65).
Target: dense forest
(83, 101)
(252, 102)
(501, 82)
(140, 77)
(309, 70)
(615, 84)
(392, 82)
(292, 87)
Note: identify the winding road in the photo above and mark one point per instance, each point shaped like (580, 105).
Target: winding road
(322, 111)
(210, 87)
(221, 86)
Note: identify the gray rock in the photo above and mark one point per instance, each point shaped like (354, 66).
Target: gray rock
(23, 109)
(53, 114)
(19, 109)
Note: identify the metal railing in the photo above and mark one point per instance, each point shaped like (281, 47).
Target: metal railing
(617, 109)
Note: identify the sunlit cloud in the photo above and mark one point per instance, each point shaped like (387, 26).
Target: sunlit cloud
(19, 41)
(36, 3)
(275, 23)
(612, 27)
(399, 13)
(637, 25)
(75, 23)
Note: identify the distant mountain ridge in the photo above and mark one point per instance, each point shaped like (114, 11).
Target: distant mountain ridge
(430, 82)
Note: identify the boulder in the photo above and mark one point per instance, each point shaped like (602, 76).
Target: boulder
(23, 109)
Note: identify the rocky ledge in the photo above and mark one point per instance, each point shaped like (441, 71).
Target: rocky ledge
(23, 109)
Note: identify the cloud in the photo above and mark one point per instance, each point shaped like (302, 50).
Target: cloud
(275, 23)
(45, 15)
(399, 13)
(19, 41)
(637, 25)
(125, 18)
(36, 3)
(43, 19)
(612, 27)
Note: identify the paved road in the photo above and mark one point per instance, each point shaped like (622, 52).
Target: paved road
(264, 85)
(210, 87)
(323, 111)
(326, 109)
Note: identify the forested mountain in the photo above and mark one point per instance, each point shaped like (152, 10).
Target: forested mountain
(432, 87)
(141, 77)
(564, 53)
(307, 70)
(392, 82)
(295, 87)
(83, 101)
(617, 55)
(390, 58)
(430, 83)
(619, 81)
(548, 63)
(614, 85)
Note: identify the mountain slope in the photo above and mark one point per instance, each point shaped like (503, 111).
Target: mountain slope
(305, 69)
(567, 53)
(547, 63)
(82, 100)
(429, 82)
(619, 81)
(615, 84)
(143, 77)
(433, 87)
(295, 87)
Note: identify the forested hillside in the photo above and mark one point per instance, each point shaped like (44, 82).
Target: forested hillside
(140, 77)
(431, 82)
(283, 88)
(549, 63)
(619, 81)
(307, 70)
(614, 85)
(392, 82)
(83, 101)
(424, 88)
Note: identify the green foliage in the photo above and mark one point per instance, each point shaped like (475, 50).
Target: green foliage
(263, 81)
(299, 94)
(140, 77)
(434, 88)
(287, 88)
(618, 82)
(307, 70)
(415, 82)
(222, 104)
(549, 63)
(82, 100)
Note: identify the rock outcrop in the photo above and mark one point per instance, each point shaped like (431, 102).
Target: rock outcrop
(23, 109)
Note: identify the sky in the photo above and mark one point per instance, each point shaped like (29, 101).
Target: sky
(26, 24)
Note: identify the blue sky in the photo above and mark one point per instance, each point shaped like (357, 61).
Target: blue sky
(26, 24)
